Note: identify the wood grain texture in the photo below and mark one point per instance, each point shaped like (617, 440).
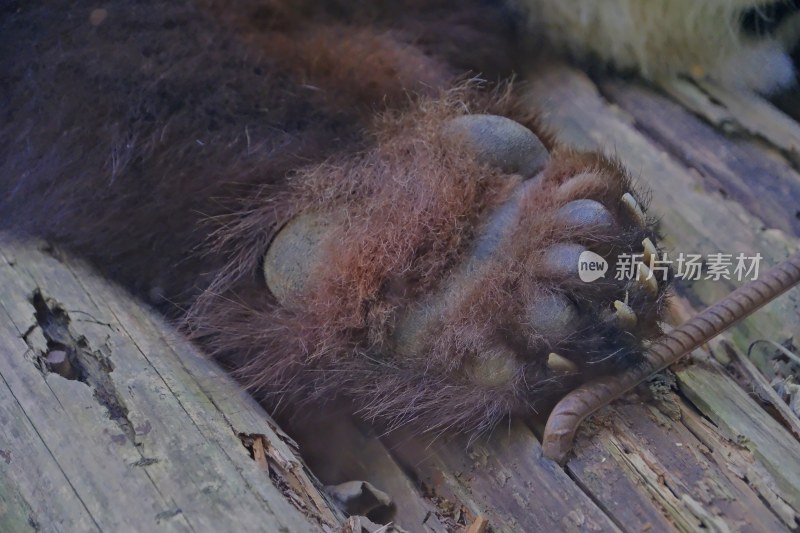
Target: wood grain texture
(656, 465)
(147, 439)
(692, 450)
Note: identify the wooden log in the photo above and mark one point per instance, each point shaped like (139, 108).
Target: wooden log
(143, 433)
(659, 464)
(691, 450)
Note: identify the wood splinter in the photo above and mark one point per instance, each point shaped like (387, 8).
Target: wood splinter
(480, 525)
(568, 414)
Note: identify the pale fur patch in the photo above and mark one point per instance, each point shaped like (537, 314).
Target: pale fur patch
(665, 38)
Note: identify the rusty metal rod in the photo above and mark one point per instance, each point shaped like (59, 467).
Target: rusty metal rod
(589, 397)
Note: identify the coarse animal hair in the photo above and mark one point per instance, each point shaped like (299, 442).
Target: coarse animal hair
(172, 143)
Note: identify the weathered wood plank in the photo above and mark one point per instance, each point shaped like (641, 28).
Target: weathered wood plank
(745, 170)
(743, 421)
(148, 439)
(643, 464)
(738, 112)
(503, 478)
(635, 468)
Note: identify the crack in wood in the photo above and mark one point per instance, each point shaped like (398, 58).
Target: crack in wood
(284, 474)
(69, 354)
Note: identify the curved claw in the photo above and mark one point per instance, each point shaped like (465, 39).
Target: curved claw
(634, 209)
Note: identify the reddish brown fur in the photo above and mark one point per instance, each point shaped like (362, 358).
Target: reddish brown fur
(414, 203)
(171, 142)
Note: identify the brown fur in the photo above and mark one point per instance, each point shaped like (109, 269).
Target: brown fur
(170, 142)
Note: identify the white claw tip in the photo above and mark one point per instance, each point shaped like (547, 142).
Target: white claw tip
(559, 363)
(646, 279)
(625, 315)
(650, 251)
(634, 209)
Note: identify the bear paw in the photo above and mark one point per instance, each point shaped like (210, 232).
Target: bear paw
(509, 277)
